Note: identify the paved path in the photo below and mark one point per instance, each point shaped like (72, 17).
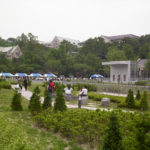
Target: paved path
(28, 94)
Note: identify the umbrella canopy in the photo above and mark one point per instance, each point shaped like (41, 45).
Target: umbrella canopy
(96, 76)
(35, 75)
(6, 74)
(20, 75)
(51, 75)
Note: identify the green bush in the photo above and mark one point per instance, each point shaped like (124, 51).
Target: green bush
(138, 95)
(5, 85)
(13, 82)
(90, 87)
(144, 101)
(87, 126)
(59, 104)
(142, 83)
(98, 97)
(16, 102)
(47, 102)
(130, 99)
(35, 103)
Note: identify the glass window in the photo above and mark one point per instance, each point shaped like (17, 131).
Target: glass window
(113, 77)
(124, 77)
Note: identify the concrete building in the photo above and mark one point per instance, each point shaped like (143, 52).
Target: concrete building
(55, 43)
(117, 38)
(122, 71)
(11, 52)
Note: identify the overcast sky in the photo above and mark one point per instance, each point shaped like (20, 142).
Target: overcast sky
(76, 19)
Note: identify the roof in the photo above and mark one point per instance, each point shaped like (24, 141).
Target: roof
(67, 39)
(119, 37)
(116, 63)
(7, 49)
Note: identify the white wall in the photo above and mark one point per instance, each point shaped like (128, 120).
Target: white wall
(120, 69)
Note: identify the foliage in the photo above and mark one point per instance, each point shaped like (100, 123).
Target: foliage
(143, 132)
(35, 103)
(16, 102)
(130, 99)
(142, 83)
(47, 102)
(138, 95)
(59, 104)
(5, 85)
(90, 87)
(144, 101)
(113, 139)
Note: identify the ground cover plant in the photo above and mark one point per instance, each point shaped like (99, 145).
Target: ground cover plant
(86, 126)
(18, 131)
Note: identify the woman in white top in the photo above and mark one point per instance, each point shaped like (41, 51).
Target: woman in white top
(84, 91)
(68, 90)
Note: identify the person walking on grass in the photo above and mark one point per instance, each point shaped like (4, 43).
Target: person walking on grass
(19, 83)
(25, 83)
(50, 88)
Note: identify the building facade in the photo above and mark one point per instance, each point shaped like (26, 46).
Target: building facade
(122, 71)
(11, 52)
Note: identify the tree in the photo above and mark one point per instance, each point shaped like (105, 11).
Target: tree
(130, 99)
(35, 103)
(60, 101)
(113, 138)
(115, 54)
(138, 95)
(16, 102)
(47, 102)
(144, 102)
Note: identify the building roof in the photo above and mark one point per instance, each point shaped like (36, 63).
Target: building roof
(118, 37)
(116, 63)
(5, 49)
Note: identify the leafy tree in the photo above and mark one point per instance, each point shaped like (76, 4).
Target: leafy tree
(144, 101)
(113, 139)
(143, 132)
(130, 99)
(115, 54)
(16, 102)
(60, 101)
(35, 103)
(47, 102)
(138, 95)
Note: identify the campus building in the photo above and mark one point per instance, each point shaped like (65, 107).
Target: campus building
(11, 52)
(122, 71)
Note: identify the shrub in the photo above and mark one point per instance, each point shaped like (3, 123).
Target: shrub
(130, 99)
(5, 85)
(113, 139)
(138, 95)
(90, 87)
(16, 102)
(142, 83)
(13, 82)
(144, 102)
(35, 103)
(60, 101)
(47, 102)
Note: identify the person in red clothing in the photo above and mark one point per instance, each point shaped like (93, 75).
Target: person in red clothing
(50, 88)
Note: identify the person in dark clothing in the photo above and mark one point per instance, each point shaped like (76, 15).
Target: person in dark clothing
(25, 83)
(19, 83)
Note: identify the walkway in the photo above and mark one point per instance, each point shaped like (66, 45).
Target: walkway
(28, 94)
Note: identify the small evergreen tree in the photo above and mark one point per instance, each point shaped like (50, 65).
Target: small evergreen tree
(16, 102)
(60, 101)
(130, 99)
(113, 139)
(138, 95)
(47, 102)
(35, 103)
(144, 101)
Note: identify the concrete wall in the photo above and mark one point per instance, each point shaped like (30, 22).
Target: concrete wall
(122, 70)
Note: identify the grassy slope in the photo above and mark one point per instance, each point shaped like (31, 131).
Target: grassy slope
(19, 128)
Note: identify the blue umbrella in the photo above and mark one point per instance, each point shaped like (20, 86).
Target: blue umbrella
(50, 75)
(20, 75)
(96, 76)
(35, 75)
(6, 74)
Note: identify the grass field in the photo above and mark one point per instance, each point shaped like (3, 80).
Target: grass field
(18, 131)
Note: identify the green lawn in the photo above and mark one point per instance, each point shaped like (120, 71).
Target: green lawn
(18, 131)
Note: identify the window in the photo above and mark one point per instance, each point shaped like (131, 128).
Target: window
(118, 79)
(124, 77)
(113, 77)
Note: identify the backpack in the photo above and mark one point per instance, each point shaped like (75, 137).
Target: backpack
(49, 88)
